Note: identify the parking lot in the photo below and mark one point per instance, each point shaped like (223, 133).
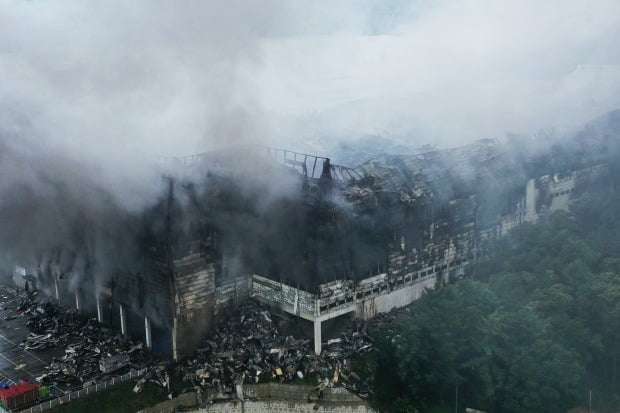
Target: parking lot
(16, 363)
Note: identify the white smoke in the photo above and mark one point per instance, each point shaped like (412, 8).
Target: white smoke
(445, 72)
(113, 81)
(92, 92)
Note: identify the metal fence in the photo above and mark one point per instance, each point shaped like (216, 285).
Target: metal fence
(76, 394)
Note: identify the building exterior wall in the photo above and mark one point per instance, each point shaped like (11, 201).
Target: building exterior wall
(437, 223)
(194, 303)
(450, 246)
(549, 193)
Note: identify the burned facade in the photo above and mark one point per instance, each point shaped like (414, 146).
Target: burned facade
(319, 240)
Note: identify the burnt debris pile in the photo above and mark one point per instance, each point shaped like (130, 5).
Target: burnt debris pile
(247, 348)
(91, 352)
(159, 376)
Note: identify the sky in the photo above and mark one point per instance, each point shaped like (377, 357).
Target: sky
(112, 83)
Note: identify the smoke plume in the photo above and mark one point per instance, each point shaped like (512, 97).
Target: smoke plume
(91, 94)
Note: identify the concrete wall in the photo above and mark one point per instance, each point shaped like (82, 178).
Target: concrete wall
(282, 407)
(550, 193)
(270, 397)
(394, 299)
(286, 398)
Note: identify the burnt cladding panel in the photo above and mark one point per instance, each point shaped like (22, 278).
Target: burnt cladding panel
(195, 282)
(195, 301)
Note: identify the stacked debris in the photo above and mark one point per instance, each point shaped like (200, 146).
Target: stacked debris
(157, 375)
(92, 352)
(247, 348)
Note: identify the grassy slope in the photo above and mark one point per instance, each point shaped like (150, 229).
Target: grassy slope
(121, 398)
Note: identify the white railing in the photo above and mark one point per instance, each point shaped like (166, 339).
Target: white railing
(76, 394)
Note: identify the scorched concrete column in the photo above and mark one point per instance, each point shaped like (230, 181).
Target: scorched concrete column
(147, 332)
(317, 336)
(56, 289)
(99, 309)
(123, 319)
(175, 355)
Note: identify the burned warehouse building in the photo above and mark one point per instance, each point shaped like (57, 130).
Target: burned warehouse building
(309, 237)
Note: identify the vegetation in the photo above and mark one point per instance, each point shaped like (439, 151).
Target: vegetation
(121, 398)
(536, 329)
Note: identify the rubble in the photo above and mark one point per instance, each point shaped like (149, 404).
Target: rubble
(157, 375)
(113, 363)
(247, 348)
(92, 352)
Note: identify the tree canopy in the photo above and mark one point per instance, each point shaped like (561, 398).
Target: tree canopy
(536, 330)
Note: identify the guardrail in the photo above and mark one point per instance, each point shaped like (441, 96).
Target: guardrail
(77, 394)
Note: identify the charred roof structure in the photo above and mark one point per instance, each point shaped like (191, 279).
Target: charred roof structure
(319, 240)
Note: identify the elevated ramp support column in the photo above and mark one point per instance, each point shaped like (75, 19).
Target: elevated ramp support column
(317, 336)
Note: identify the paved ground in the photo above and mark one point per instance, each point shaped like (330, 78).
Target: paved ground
(17, 364)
